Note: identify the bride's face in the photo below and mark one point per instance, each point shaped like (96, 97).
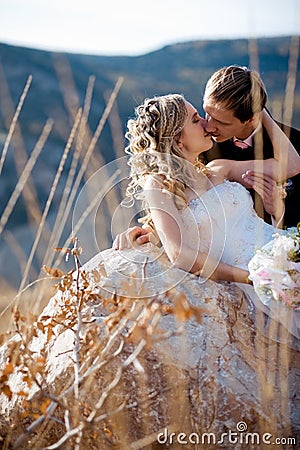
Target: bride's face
(194, 139)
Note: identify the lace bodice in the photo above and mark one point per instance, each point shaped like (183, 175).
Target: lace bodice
(223, 221)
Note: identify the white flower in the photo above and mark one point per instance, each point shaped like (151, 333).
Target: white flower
(272, 268)
(283, 244)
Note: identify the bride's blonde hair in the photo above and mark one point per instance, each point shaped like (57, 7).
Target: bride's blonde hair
(153, 147)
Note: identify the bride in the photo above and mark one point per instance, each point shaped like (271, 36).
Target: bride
(203, 216)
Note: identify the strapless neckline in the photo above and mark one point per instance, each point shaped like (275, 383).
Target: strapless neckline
(215, 188)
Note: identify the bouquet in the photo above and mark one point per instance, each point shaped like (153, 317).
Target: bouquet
(275, 269)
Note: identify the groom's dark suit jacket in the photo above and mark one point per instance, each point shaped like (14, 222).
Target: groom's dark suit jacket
(229, 151)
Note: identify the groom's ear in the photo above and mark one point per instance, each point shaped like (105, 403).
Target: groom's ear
(254, 120)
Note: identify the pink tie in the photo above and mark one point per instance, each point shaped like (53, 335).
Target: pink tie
(240, 144)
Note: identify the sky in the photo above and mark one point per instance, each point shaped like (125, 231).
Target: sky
(134, 27)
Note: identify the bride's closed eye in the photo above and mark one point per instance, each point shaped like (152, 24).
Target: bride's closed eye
(196, 119)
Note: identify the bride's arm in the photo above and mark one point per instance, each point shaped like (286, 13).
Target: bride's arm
(176, 241)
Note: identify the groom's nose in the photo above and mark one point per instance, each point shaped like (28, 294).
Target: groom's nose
(203, 122)
(209, 124)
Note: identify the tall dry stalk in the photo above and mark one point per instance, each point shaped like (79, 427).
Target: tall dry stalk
(288, 106)
(71, 188)
(89, 152)
(19, 252)
(64, 206)
(29, 193)
(72, 103)
(50, 198)
(21, 183)
(253, 54)
(14, 122)
(267, 355)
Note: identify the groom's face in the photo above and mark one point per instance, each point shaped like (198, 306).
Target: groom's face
(222, 125)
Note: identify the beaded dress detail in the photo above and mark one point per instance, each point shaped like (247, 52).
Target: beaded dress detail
(222, 221)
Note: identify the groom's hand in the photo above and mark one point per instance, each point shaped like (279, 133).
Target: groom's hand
(271, 192)
(132, 236)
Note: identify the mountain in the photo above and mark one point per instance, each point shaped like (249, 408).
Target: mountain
(59, 87)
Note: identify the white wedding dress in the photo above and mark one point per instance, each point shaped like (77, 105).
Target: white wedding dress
(223, 223)
(228, 225)
(231, 231)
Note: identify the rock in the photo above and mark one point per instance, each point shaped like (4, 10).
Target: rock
(130, 353)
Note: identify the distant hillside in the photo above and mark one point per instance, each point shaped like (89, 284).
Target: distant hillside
(59, 87)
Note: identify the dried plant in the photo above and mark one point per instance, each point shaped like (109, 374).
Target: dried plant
(85, 144)
(108, 335)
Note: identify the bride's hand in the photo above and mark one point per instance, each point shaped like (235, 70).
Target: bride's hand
(271, 192)
(130, 237)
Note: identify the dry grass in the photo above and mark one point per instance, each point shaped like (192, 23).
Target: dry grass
(81, 145)
(35, 289)
(88, 405)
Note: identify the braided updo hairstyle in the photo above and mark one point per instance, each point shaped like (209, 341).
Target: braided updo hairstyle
(153, 146)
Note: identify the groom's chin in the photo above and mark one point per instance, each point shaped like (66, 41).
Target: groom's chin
(219, 139)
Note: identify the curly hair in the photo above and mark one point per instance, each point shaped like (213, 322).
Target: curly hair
(153, 147)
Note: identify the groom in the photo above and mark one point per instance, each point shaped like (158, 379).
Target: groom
(234, 97)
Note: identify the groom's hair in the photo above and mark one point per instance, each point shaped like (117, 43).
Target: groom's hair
(238, 89)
